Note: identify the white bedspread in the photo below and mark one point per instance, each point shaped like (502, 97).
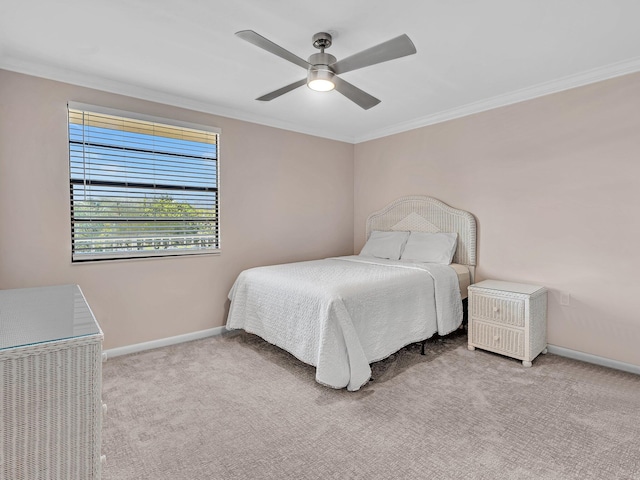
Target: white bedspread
(341, 314)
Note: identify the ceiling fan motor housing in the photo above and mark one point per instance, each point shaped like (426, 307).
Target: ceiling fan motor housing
(325, 59)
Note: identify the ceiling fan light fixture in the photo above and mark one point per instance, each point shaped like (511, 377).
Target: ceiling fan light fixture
(320, 80)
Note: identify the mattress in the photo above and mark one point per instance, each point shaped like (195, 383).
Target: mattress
(464, 278)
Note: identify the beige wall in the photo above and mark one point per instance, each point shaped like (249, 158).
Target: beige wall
(285, 197)
(554, 184)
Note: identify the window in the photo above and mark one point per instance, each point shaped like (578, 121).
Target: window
(140, 186)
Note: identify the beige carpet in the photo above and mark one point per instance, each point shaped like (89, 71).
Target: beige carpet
(238, 408)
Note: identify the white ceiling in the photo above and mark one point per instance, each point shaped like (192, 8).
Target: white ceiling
(472, 54)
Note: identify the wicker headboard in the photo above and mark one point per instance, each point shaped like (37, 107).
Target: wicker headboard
(426, 214)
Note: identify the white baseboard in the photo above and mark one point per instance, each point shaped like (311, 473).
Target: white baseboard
(587, 357)
(164, 342)
(211, 332)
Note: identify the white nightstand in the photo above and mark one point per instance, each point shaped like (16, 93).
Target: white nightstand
(508, 318)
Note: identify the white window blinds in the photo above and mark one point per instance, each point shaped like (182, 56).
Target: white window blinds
(141, 188)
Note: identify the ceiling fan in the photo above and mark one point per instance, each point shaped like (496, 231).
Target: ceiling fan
(323, 68)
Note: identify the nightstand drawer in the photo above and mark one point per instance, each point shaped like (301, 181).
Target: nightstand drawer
(496, 338)
(498, 309)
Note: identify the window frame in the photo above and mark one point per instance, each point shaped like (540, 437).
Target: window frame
(80, 258)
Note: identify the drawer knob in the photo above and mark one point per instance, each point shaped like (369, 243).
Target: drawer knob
(495, 309)
(496, 338)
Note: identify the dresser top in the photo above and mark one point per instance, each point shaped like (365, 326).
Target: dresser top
(43, 314)
(509, 287)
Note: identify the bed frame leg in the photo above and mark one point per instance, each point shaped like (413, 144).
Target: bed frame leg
(424, 342)
(465, 313)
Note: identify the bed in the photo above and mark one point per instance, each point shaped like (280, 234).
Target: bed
(341, 314)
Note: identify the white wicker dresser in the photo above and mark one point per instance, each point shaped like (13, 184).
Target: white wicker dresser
(508, 318)
(51, 382)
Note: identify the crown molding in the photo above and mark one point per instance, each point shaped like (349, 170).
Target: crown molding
(54, 73)
(121, 88)
(566, 83)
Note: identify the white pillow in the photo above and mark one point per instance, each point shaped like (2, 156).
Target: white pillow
(430, 247)
(385, 245)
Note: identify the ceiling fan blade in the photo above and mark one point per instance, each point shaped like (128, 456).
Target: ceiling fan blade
(391, 49)
(266, 44)
(353, 93)
(282, 91)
